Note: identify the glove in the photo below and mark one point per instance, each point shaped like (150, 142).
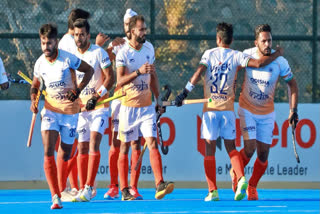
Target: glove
(72, 95)
(181, 97)
(160, 109)
(91, 104)
(293, 119)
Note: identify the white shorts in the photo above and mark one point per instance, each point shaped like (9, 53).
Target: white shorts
(135, 122)
(218, 123)
(66, 124)
(90, 121)
(115, 108)
(254, 126)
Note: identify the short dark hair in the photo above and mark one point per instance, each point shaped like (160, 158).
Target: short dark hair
(80, 23)
(75, 14)
(225, 32)
(49, 30)
(133, 21)
(261, 28)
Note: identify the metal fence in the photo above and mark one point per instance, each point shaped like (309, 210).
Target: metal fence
(180, 30)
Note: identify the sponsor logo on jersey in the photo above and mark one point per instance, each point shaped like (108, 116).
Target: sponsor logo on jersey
(131, 60)
(56, 84)
(219, 97)
(88, 91)
(259, 82)
(59, 96)
(105, 60)
(141, 87)
(258, 96)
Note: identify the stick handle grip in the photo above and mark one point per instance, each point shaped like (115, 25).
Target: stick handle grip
(33, 121)
(140, 157)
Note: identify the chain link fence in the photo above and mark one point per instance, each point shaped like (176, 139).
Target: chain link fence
(180, 30)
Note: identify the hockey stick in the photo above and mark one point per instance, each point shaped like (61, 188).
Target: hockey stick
(140, 157)
(29, 81)
(294, 143)
(111, 98)
(33, 121)
(195, 101)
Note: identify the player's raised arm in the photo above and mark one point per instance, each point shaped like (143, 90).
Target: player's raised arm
(265, 60)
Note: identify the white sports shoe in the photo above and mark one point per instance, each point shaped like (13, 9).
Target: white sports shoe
(56, 202)
(77, 197)
(87, 193)
(66, 195)
(94, 189)
(73, 192)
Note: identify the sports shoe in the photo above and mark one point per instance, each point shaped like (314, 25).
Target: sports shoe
(252, 193)
(234, 180)
(163, 189)
(77, 197)
(126, 196)
(241, 189)
(86, 194)
(134, 191)
(94, 190)
(73, 192)
(56, 202)
(112, 193)
(66, 195)
(212, 196)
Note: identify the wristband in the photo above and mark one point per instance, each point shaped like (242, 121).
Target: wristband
(189, 86)
(34, 91)
(102, 91)
(294, 110)
(138, 72)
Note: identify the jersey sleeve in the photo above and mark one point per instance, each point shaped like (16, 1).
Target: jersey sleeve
(152, 57)
(285, 70)
(104, 59)
(121, 59)
(205, 59)
(36, 70)
(3, 77)
(242, 59)
(75, 62)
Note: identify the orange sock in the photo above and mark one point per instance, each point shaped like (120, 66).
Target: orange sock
(93, 166)
(236, 162)
(50, 170)
(210, 170)
(123, 166)
(135, 173)
(73, 171)
(62, 173)
(113, 164)
(258, 169)
(245, 159)
(82, 163)
(156, 164)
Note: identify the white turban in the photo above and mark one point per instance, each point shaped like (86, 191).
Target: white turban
(129, 13)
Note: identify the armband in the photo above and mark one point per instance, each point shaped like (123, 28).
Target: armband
(189, 86)
(138, 72)
(102, 91)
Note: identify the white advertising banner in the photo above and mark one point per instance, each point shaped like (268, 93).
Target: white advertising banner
(181, 132)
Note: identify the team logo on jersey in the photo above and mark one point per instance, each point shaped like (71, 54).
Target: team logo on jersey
(131, 60)
(148, 57)
(141, 87)
(60, 96)
(105, 60)
(270, 69)
(56, 84)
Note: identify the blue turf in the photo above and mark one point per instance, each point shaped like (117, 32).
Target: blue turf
(180, 201)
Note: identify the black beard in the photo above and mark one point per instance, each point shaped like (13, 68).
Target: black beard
(141, 40)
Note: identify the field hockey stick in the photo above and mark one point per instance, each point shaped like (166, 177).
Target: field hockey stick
(185, 102)
(164, 149)
(140, 156)
(111, 98)
(20, 81)
(29, 81)
(33, 121)
(294, 143)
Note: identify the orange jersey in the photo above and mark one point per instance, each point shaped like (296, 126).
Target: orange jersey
(259, 86)
(138, 93)
(220, 76)
(57, 79)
